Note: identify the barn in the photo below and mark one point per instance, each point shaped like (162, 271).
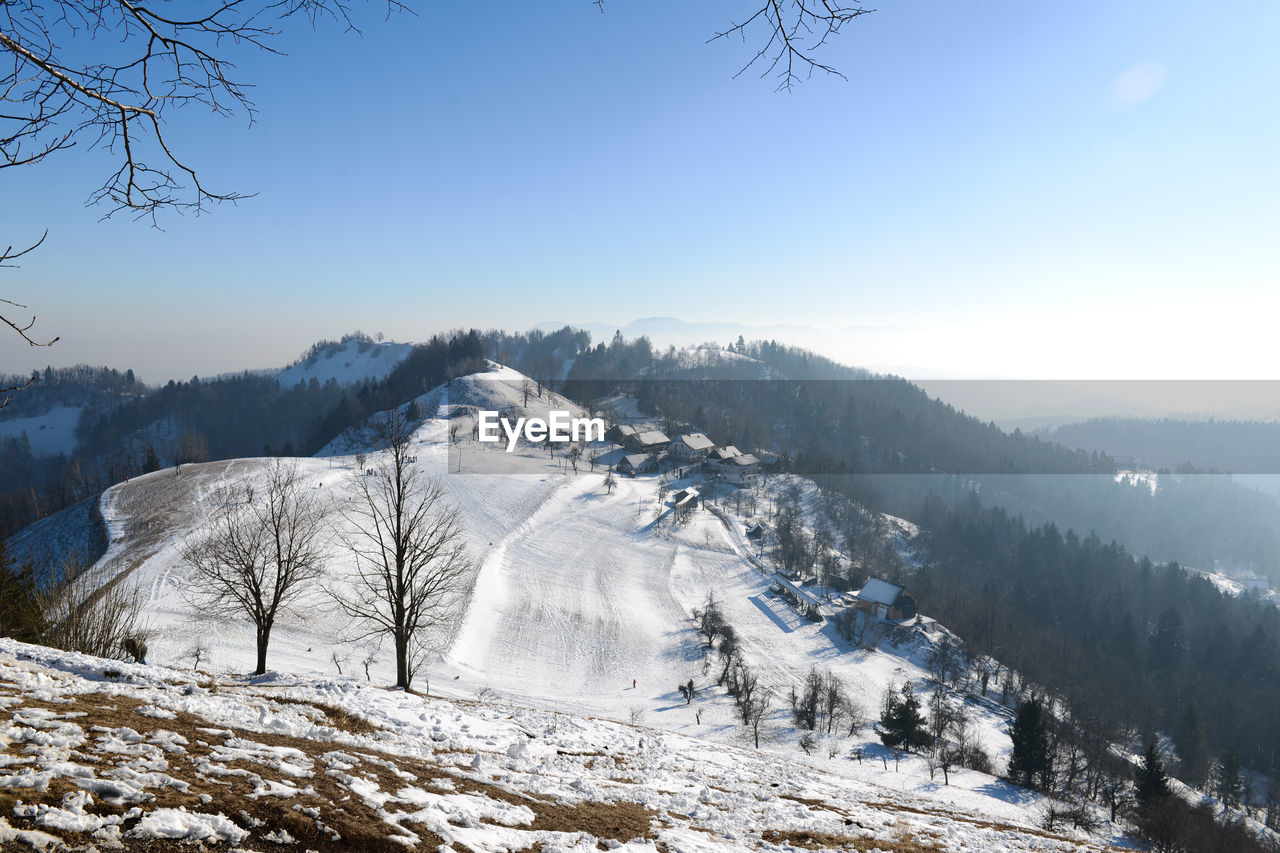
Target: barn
(637, 463)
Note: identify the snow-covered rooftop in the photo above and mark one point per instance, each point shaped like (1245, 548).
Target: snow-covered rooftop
(696, 441)
(879, 591)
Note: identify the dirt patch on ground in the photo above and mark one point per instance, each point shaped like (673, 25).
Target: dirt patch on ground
(617, 821)
(827, 841)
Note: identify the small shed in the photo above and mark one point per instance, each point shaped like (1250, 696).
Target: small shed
(757, 533)
(686, 498)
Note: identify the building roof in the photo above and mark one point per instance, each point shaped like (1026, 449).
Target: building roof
(635, 460)
(684, 497)
(727, 452)
(696, 441)
(743, 460)
(624, 430)
(879, 591)
(651, 437)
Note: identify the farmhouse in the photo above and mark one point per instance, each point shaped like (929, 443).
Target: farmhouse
(885, 600)
(650, 441)
(691, 447)
(739, 469)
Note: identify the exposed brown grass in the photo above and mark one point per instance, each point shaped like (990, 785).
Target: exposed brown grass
(827, 841)
(356, 825)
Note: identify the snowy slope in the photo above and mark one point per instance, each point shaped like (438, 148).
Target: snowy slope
(577, 593)
(348, 363)
(130, 756)
(50, 434)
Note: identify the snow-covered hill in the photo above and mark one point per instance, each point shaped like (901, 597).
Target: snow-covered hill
(580, 606)
(457, 403)
(125, 756)
(350, 362)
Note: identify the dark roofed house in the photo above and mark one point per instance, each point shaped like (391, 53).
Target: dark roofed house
(888, 600)
(650, 441)
(691, 447)
(756, 533)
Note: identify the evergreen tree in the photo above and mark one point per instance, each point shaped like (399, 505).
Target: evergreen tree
(151, 461)
(1150, 781)
(1228, 783)
(1031, 764)
(20, 616)
(902, 726)
(1168, 646)
(1192, 748)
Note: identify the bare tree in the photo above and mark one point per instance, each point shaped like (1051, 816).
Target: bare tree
(755, 715)
(409, 557)
(793, 31)
(79, 617)
(259, 556)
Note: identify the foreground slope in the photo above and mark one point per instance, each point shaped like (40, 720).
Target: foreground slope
(123, 755)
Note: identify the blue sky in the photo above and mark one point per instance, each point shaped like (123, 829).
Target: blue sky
(1013, 189)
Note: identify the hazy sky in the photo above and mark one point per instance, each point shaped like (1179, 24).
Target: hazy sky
(1015, 189)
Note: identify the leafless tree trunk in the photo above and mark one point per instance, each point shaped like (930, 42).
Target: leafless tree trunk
(758, 711)
(409, 557)
(260, 555)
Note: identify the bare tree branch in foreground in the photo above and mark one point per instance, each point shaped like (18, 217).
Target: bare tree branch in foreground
(22, 328)
(108, 72)
(409, 559)
(793, 32)
(261, 554)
